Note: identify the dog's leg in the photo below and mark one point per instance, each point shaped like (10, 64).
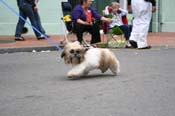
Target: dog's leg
(77, 71)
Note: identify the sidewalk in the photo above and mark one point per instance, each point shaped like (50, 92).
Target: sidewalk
(8, 45)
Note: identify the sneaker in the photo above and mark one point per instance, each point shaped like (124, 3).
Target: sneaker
(128, 46)
(147, 47)
(19, 38)
(40, 37)
(133, 43)
(43, 37)
(47, 36)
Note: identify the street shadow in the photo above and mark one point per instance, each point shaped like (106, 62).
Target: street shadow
(92, 76)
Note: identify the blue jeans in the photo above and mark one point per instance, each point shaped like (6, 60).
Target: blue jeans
(38, 21)
(127, 30)
(26, 10)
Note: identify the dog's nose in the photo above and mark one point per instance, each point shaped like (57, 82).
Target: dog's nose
(75, 54)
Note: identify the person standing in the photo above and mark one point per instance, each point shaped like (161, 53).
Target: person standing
(38, 19)
(26, 10)
(142, 13)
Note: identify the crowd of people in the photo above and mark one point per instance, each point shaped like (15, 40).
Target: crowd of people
(135, 34)
(86, 19)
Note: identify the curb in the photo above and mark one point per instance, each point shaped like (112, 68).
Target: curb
(52, 48)
(28, 49)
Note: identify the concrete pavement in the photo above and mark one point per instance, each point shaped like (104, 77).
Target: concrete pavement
(35, 84)
(8, 45)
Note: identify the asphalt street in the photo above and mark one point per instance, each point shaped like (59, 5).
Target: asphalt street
(35, 84)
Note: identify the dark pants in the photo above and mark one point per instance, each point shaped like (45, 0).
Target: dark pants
(126, 30)
(38, 21)
(26, 10)
(94, 30)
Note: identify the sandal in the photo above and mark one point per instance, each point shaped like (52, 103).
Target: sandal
(19, 38)
(128, 46)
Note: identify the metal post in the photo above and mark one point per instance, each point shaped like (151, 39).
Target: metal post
(160, 16)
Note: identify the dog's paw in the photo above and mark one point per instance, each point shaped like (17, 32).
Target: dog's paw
(72, 76)
(115, 73)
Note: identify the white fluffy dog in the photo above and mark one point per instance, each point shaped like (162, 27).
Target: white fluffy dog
(84, 60)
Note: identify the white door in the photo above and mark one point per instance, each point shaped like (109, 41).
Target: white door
(166, 15)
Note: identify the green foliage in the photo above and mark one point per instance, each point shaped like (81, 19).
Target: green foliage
(109, 16)
(116, 31)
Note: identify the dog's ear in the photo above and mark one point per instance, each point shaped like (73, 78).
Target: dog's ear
(66, 60)
(63, 54)
(86, 49)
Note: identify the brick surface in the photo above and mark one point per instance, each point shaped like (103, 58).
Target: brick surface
(154, 39)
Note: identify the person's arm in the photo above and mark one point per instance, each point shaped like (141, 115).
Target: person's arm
(99, 17)
(153, 5)
(95, 14)
(35, 8)
(83, 22)
(129, 6)
(152, 1)
(129, 2)
(123, 12)
(109, 20)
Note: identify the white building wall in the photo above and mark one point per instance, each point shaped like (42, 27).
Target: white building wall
(50, 12)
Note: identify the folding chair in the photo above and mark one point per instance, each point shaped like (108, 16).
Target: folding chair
(115, 34)
(67, 9)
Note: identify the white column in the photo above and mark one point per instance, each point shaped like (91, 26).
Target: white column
(123, 4)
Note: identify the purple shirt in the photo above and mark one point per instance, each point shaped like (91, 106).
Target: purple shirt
(78, 13)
